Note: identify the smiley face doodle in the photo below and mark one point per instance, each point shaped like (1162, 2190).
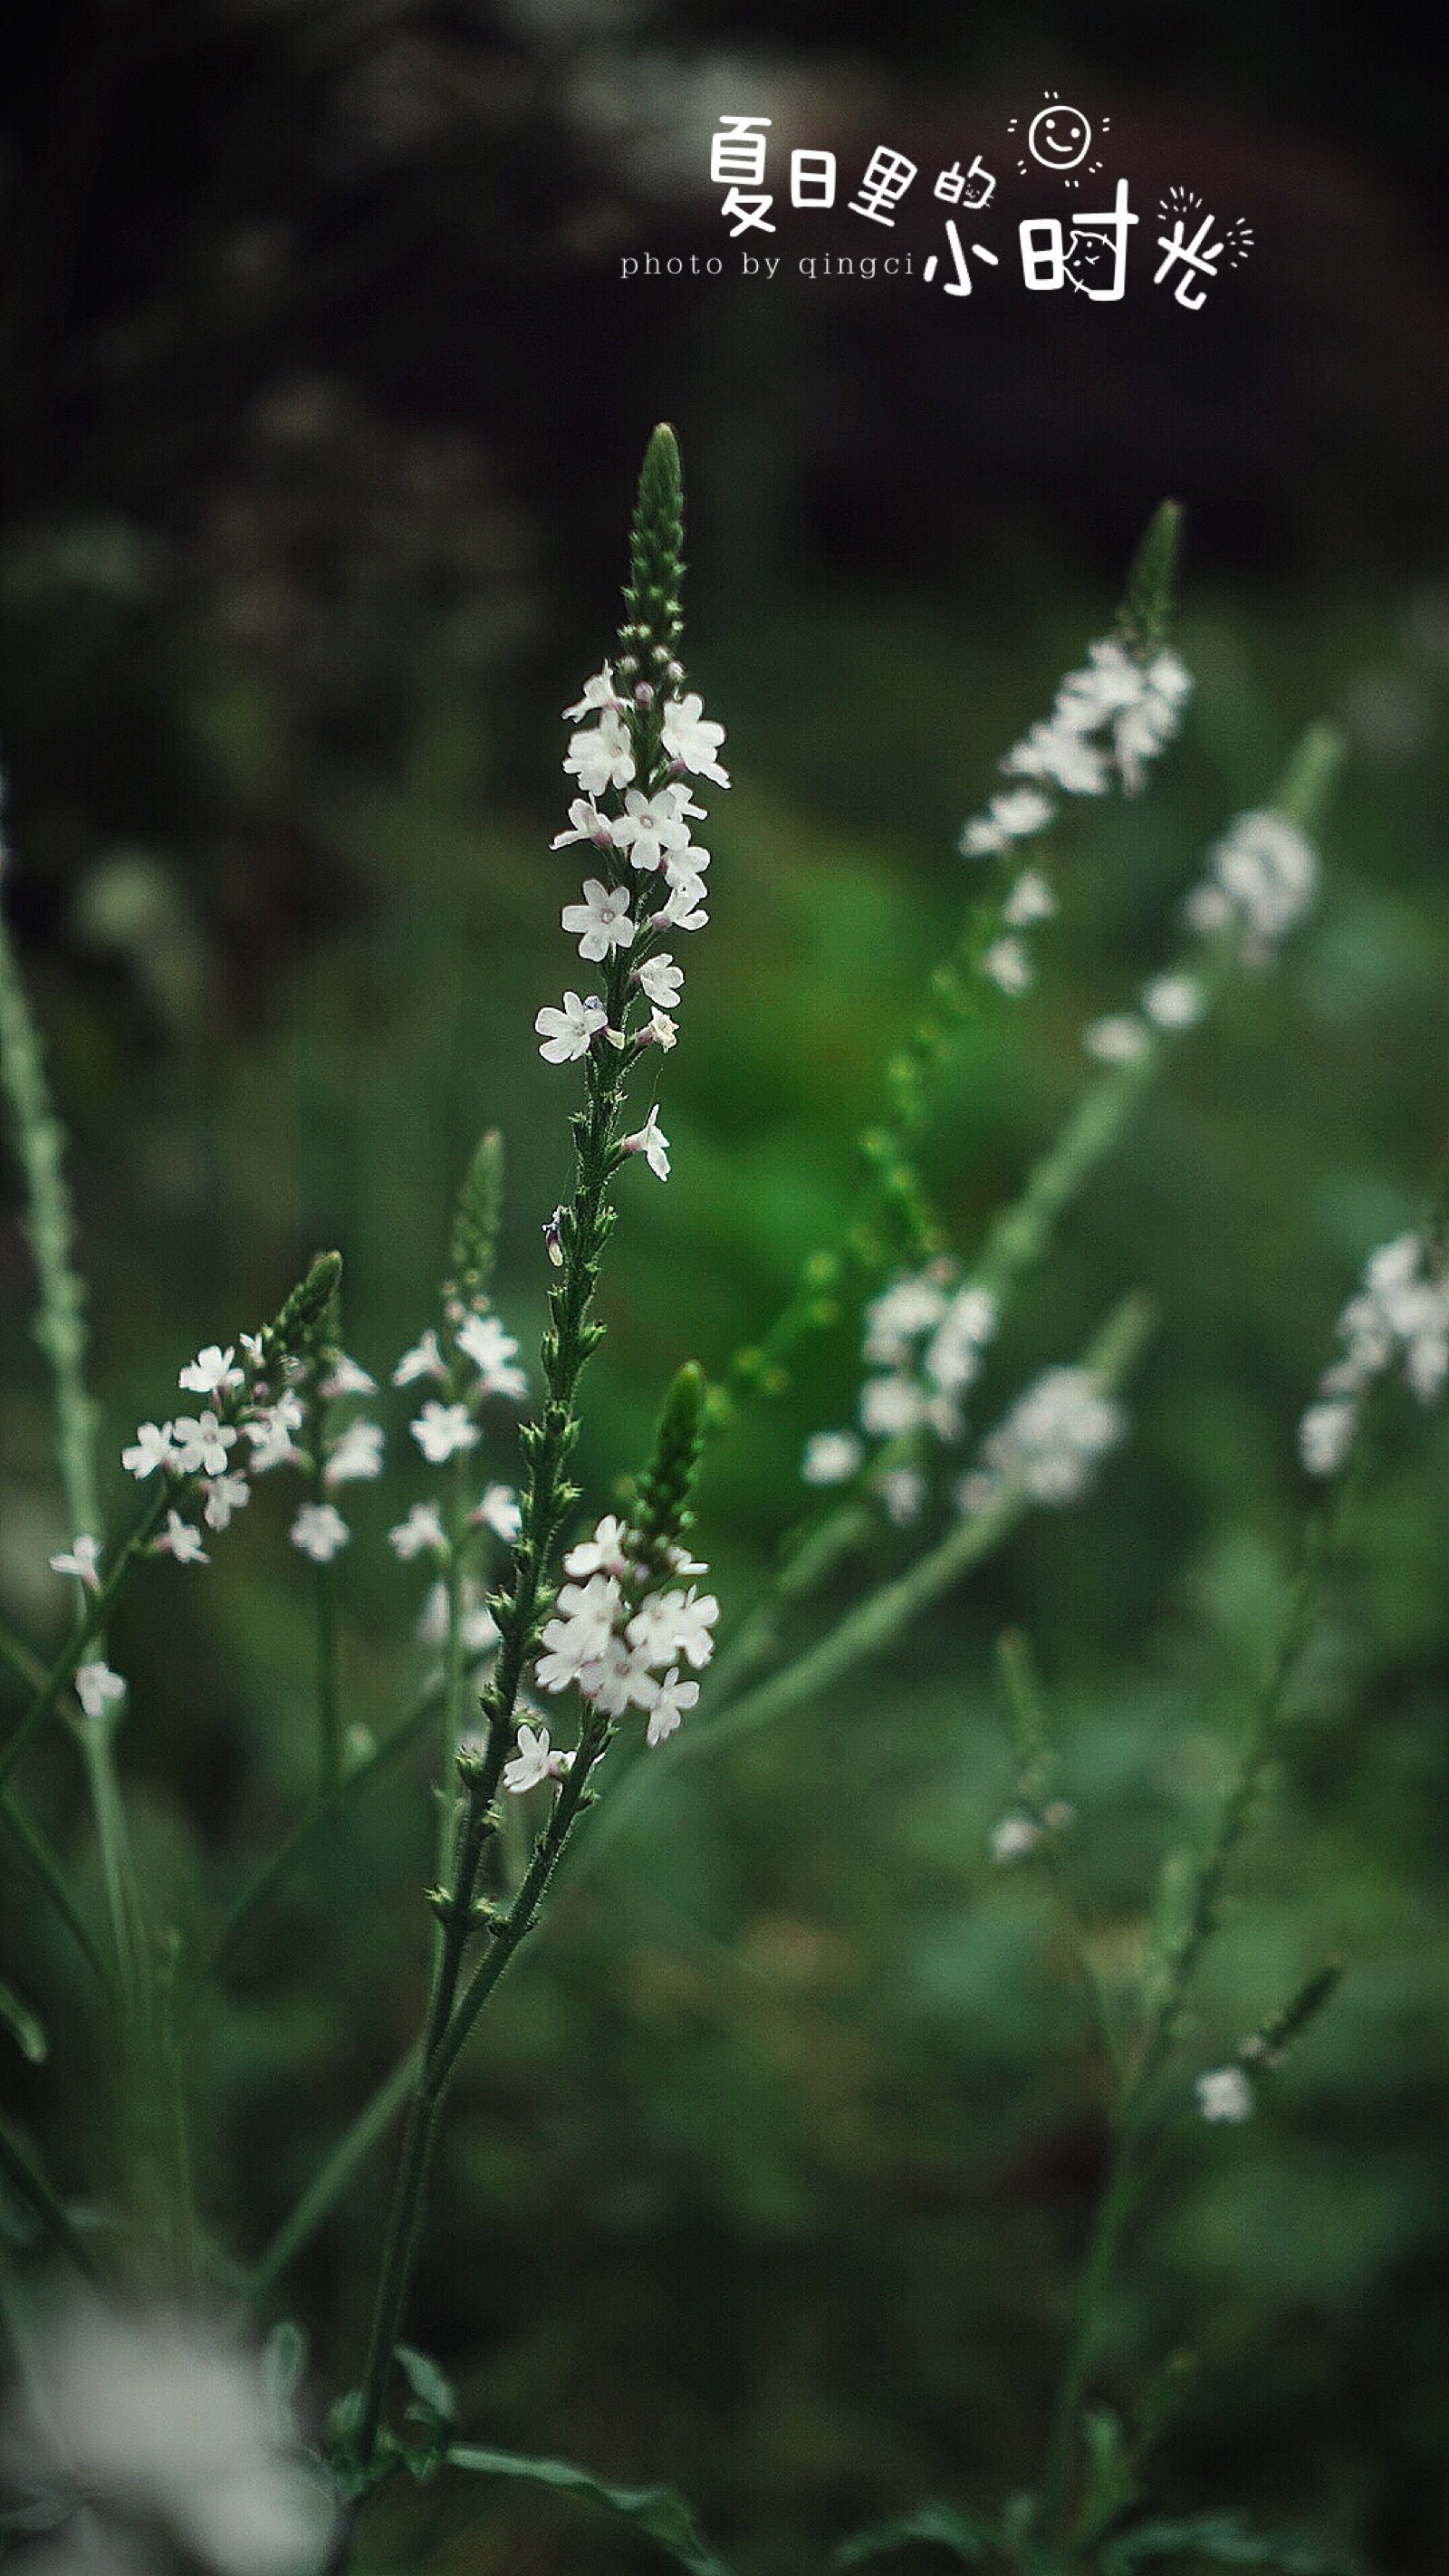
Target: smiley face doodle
(1059, 137)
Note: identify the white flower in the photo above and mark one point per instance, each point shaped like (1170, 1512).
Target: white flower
(587, 824)
(1007, 965)
(652, 1143)
(83, 1561)
(1174, 1001)
(1054, 1434)
(346, 1378)
(601, 757)
(618, 1679)
(1014, 816)
(600, 696)
(202, 1443)
(1225, 2094)
(423, 1360)
(1207, 909)
(531, 1764)
(666, 1702)
(660, 981)
(1057, 752)
(604, 1553)
(661, 1031)
(953, 1356)
(651, 826)
(1142, 730)
(1268, 871)
(601, 921)
(891, 1406)
(160, 2421)
(1031, 899)
(676, 1623)
(499, 1511)
(1325, 1436)
(154, 1446)
(683, 908)
(569, 1033)
(224, 1496)
(355, 1457)
(978, 1492)
(181, 1542)
(692, 739)
(1119, 1039)
(903, 1492)
(422, 1530)
(687, 867)
(441, 1430)
(901, 1313)
(270, 1435)
(211, 1372)
(483, 1340)
(831, 1458)
(98, 1688)
(576, 1642)
(319, 1530)
(1013, 1838)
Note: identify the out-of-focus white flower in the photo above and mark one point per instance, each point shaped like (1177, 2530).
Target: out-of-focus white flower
(421, 1533)
(98, 1688)
(441, 1430)
(355, 1458)
(498, 1510)
(1118, 1039)
(425, 1359)
(162, 2423)
(1265, 870)
(1225, 2094)
(154, 1446)
(1400, 1314)
(903, 1492)
(1013, 1837)
(83, 1560)
(891, 1406)
(225, 1496)
(320, 1531)
(1031, 899)
(1054, 1435)
(346, 1378)
(831, 1458)
(1174, 1001)
(1007, 965)
(482, 1339)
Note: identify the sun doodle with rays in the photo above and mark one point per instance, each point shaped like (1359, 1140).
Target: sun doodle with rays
(1058, 138)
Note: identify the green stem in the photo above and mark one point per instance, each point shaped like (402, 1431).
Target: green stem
(47, 1871)
(454, 1671)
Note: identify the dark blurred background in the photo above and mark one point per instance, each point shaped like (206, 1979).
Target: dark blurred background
(323, 397)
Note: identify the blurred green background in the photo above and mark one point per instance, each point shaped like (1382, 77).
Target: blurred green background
(323, 398)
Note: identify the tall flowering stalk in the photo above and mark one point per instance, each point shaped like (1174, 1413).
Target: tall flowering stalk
(625, 1623)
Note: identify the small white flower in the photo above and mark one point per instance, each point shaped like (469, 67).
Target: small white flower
(357, 1456)
(569, 1033)
(423, 1360)
(661, 1031)
(1268, 871)
(499, 1511)
(83, 1561)
(651, 826)
(225, 1495)
(676, 1623)
(320, 1531)
(667, 1701)
(211, 1372)
(652, 1143)
(903, 1492)
(531, 1762)
(953, 1356)
(601, 696)
(660, 981)
(587, 824)
(346, 1378)
(181, 1542)
(899, 1316)
(270, 1435)
(441, 1430)
(831, 1458)
(1118, 1039)
(604, 1553)
(1174, 1001)
(1207, 909)
(1225, 2094)
(1013, 1837)
(98, 1688)
(421, 1532)
(1054, 1435)
(154, 1446)
(601, 756)
(692, 739)
(1058, 753)
(683, 908)
(1007, 965)
(483, 1340)
(1325, 1436)
(600, 922)
(1031, 899)
(202, 1442)
(477, 1628)
(890, 1407)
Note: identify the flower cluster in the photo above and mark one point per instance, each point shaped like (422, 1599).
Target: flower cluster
(639, 754)
(621, 1632)
(1399, 1318)
(924, 1340)
(1110, 719)
(1048, 1445)
(1168, 1005)
(1262, 881)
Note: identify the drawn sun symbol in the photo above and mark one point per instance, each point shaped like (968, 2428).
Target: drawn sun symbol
(1059, 137)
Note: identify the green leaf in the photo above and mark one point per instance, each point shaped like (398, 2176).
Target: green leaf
(430, 2386)
(657, 2513)
(1112, 2483)
(23, 2027)
(938, 2524)
(1224, 2541)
